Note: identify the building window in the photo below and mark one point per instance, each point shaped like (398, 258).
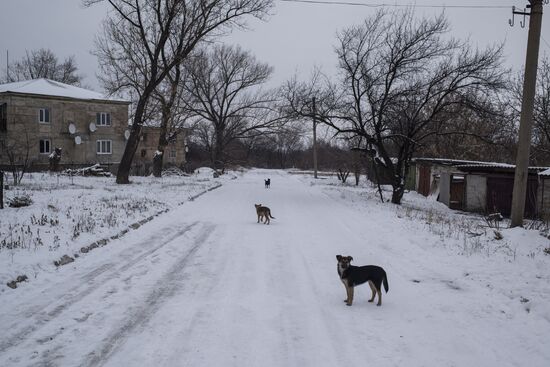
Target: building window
(3, 117)
(143, 153)
(103, 119)
(104, 146)
(45, 146)
(172, 154)
(44, 115)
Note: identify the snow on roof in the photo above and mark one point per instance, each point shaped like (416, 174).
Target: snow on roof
(47, 87)
(488, 165)
(475, 164)
(498, 166)
(461, 162)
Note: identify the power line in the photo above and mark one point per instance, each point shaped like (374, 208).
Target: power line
(545, 41)
(384, 5)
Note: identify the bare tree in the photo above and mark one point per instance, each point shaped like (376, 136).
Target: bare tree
(169, 96)
(17, 149)
(287, 140)
(494, 139)
(399, 84)
(143, 40)
(43, 63)
(223, 92)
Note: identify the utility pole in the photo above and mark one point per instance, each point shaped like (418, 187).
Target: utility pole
(1, 189)
(314, 140)
(527, 106)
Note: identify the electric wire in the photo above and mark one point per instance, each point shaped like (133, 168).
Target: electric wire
(384, 5)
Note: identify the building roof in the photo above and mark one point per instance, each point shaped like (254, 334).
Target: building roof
(479, 166)
(456, 162)
(51, 88)
(496, 167)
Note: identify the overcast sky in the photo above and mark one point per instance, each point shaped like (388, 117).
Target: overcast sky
(294, 39)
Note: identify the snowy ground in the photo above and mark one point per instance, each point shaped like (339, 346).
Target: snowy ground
(71, 212)
(204, 284)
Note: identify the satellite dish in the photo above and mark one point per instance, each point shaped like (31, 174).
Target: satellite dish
(92, 127)
(72, 128)
(127, 134)
(77, 140)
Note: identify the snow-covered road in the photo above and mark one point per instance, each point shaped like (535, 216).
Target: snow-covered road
(205, 285)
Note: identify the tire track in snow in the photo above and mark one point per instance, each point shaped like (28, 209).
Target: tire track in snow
(165, 288)
(93, 280)
(297, 330)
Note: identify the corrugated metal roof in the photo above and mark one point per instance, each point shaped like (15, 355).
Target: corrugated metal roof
(497, 167)
(489, 165)
(465, 164)
(449, 161)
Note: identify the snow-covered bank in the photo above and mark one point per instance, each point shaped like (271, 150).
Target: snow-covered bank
(511, 262)
(69, 213)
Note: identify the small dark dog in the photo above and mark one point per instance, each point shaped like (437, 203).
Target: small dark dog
(355, 275)
(267, 183)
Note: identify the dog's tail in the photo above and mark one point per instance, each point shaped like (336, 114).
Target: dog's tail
(272, 217)
(385, 281)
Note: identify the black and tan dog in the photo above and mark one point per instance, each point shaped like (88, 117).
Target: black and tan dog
(356, 275)
(267, 183)
(263, 212)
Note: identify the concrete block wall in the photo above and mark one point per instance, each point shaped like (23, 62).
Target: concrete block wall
(543, 197)
(23, 124)
(476, 193)
(445, 188)
(149, 143)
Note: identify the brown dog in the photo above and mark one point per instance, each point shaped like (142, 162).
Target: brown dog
(263, 212)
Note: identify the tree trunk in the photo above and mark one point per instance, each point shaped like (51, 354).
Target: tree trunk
(157, 162)
(123, 173)
(158, 159)
(377, 178)
(397, 194)
(217, 152)
(398, 185)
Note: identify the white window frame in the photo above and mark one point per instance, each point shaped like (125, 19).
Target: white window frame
(173, 154)
(42, 115)
(103, 119)
(102, 145)
(49, 146)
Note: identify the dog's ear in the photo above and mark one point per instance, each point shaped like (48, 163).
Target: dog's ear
(338, 257)
(350, 258)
